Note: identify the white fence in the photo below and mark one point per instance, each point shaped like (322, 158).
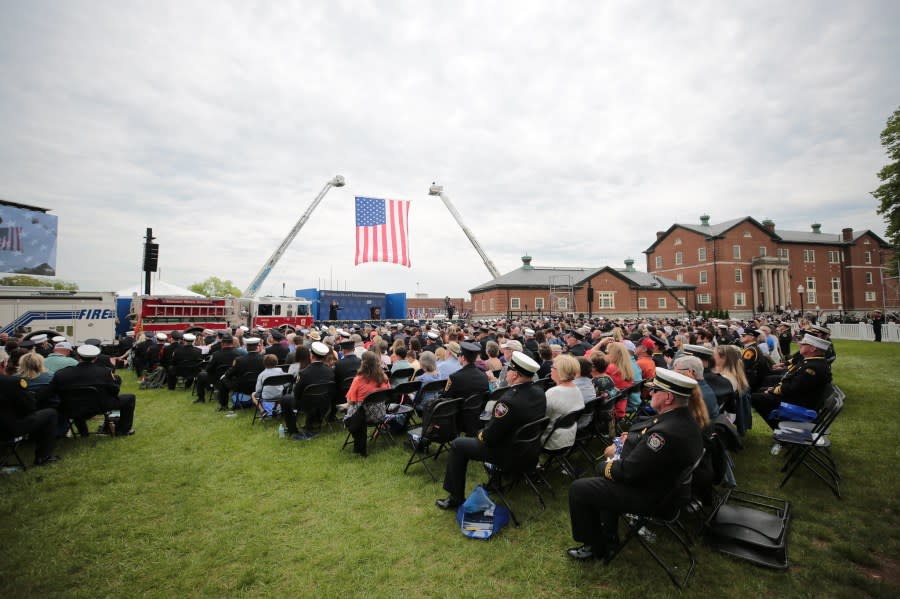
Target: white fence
(889, 332)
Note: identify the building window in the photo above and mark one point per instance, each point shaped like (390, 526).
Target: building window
(661, 302)
(740, 299)
(562, 303)
(493, 304)
(659, 262)
(703, 277)
(679, 258)
(538, 303)
(870, 296)
(784, 253)
(483, 305)
(810, 284)
(868, 258)
(679, 277)
(701, 254)
(738, 275)
(762, 251)
(642, 303)
(736, 252)
(748, 234)
(607, 299)
(514, 303)
(834, 257)
(835, 290)
(809, 255)
(678, 241)
(868, 278)
(810, 297)
(703, 298)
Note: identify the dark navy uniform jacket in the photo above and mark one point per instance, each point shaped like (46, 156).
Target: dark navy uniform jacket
(520, 405)
(805, 382)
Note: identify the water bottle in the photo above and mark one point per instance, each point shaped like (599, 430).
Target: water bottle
(281, 431)
(776, 449)
(647, 534)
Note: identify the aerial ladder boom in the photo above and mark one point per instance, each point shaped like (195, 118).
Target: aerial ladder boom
(438, 190)
(256, 283)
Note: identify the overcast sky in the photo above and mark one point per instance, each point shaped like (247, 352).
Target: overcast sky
(569, 130)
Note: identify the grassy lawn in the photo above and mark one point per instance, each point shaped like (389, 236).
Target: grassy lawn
(196, 504)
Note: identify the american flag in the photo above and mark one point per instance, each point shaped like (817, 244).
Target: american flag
(11, 239)
(382, 231)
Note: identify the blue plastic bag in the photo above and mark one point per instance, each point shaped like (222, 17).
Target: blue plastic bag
(792, 412)
(479, 517)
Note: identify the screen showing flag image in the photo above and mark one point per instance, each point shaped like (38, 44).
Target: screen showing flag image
(382, 231)
(27, 240)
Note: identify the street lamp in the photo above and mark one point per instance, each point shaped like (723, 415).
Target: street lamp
(800, 290)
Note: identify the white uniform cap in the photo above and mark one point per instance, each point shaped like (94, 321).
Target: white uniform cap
(59, 339)
(319, 348)
(39, 338)
(189, 337)
(816, 342)
(523, 363)
(161, 336)
(88, 351)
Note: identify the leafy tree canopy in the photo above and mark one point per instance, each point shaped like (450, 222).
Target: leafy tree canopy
(888, 194)
(29, 281)
(215, 287)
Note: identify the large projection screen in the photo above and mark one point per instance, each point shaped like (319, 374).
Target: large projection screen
(27, 241)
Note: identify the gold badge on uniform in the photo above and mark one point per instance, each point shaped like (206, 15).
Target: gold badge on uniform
(23, 383)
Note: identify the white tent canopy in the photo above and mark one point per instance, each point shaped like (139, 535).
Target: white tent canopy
(157, 288)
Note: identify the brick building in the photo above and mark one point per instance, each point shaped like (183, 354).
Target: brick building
(617, 292)
(428, 307)
(743, 265)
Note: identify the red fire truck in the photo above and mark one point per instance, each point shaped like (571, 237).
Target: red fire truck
(190, 314)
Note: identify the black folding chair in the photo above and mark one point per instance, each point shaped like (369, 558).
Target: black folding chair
(526, 447)
(560, 455)
(318, 400)
(597, 426)
(470, 414)
(188, 372)
(284, 382)
(374, 407)
(438, 428)
(623, 424)
(664, 515)
(401, 375)
(244, 385)
(430, 391)
(406, 396)
(10, 447)
(80, 403)
(812, 448)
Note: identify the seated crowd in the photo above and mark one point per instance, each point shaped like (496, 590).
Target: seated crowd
(648, 389)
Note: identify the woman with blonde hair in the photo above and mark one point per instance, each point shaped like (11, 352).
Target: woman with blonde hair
(563, 398)
(730, 365)
(620, 370)
(32, 369)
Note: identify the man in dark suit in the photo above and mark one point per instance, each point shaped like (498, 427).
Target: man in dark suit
(468, 380)
(184, 354)
(275, 347)
(316, 373)
(90, 373)
(346, 367)
(169, 351)
(523, 403)
(244, 367)
(19, 416)
(218, 364)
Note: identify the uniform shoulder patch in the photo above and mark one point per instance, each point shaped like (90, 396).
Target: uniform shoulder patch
(500, 410)
(23, 383)
(810, 372)
(748, 354)
(656, 441)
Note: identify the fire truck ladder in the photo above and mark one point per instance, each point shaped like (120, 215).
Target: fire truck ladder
(678, 300)
(256, 283)
(438, 190)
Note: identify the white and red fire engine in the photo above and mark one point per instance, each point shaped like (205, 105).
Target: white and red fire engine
(182, 313)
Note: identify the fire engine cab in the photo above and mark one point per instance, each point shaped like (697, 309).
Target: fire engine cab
(189, 314)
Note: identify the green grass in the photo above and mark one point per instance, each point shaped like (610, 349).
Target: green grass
(196, 504)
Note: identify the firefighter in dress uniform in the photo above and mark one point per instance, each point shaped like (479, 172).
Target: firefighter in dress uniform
(655, 451)
(522, 404)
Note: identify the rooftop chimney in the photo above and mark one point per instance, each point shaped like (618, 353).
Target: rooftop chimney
(526, 263)
(629, 264)
(816, 228)
(847, 234)
(769, 224)
(704, 220)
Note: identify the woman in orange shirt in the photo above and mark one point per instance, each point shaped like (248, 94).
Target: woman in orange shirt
(369, 378)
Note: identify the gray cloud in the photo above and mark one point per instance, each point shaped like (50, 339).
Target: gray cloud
(572, 132)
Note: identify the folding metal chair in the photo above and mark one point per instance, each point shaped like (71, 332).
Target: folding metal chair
(438, 427)
(318, 399)
(283, 381)
(665, 515)
(401, 375)
(375, 407)
(560, 455)
(526, 447)
(10, 447)
(812, 448)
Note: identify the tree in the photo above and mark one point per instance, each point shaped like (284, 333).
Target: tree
(29, 281)
(888, 194)
(215, 287)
